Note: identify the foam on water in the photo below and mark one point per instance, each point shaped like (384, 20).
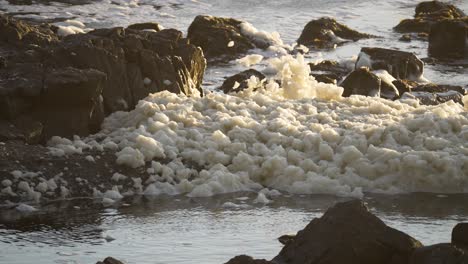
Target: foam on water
(301, 137)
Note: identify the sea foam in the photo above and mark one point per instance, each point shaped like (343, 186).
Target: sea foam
(300, 137)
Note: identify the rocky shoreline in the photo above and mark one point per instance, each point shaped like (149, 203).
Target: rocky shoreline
(53, 83)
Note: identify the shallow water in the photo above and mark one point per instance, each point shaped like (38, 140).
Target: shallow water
(188, 230)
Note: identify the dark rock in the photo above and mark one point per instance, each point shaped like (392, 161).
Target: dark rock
(348, 233)
(404, 86)
(70, 85)
(400, 64)
(361, 82)
(428, 13)
(241, 79)
(110, 260)
(21, 33)
(438, 88)
(328, 71)
(439, 253)
(460, 235)
(286, 239)
(243, 259)
(448, 39)
(326, 78)
(428, 98)
(213, 35)
(23, 129)
(325, 32)
(147, 25)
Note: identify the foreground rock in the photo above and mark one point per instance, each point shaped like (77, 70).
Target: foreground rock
(240, 81)
(223, 37)
(448, 39)
(427, 14)
(325, 32)
(433, 94)
(69, 85)
(346, 233)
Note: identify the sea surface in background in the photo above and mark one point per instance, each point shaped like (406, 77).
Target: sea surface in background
(177, 229)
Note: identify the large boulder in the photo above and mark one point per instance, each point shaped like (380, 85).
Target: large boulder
(70, 84)
(448, 39)
(218, 36)
(428, 13)
(325, 32)
(400, 64)
(348, 233)
(460, 235)
(240, 81)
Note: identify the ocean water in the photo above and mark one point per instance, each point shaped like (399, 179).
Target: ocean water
(408, 162)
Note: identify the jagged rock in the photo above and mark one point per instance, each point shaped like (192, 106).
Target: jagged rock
(400, 64)
(69, 85)
(239, 82)
(426, 14)
(438, 88)
(243, 259)
(439, 253)
(325, 32)
(348, 233)
(146, 26)
(361, 82)
(219, 36)
(110, 260)
(460, 235)
(23, 128)
(448, 39)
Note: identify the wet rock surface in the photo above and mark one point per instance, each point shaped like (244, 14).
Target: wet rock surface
(325, 32)
(427, 14)
(240, 81)
(448, 39)
(361, 82)
(400, 64)
(218, 36)
(70, 84)
(110, 260)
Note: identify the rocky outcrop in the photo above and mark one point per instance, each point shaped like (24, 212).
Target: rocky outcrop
(220, 37)
(69, 85)
(240, 81)
(448, 39)
(348, 233)
(325, 32)
(400, 64)
(427, 14)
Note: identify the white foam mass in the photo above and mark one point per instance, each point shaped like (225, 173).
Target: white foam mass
(301, 137)
(250, 60)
